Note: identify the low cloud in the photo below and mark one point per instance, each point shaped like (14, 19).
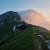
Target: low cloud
(36, 18)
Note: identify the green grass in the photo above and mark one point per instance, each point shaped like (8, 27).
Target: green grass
(24, 40)
(44, 45)
(47, 35)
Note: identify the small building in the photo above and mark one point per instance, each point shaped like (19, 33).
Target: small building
(19, 27)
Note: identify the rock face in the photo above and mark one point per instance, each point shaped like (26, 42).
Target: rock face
(9, 17)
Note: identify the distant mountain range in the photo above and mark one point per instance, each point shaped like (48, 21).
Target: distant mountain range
(35, 18)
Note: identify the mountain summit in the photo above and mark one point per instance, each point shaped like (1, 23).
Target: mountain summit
(9, 17)
(9, 14)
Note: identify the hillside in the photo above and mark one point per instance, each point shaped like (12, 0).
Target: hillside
(22, 39)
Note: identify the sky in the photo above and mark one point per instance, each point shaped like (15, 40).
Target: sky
(42, 6)
(19, 5)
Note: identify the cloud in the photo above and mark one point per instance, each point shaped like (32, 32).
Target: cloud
(38, 21)
(36, 18)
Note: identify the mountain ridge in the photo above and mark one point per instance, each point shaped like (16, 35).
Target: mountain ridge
(24, 39)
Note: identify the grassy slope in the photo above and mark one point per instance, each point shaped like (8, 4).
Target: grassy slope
(24, 40)
(46, 32)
